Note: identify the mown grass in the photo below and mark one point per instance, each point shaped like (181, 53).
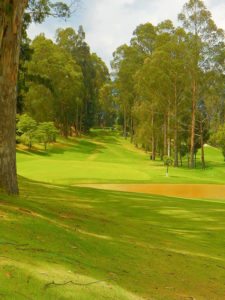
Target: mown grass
(109, 245)
(105, 157)
(142, 247)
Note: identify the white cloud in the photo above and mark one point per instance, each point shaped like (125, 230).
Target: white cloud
(108, 24)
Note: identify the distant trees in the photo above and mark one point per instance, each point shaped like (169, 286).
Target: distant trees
(55, 87)
(29, 131)
(94, 71)
(63, 81)
(46, 133)
(26, 129)
(170, 83)
(218, 139)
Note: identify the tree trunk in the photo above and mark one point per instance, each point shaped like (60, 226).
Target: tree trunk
(165, 136)
(11, 19)
(125, 123)
(202, 145)
(193, 121)
(131, 130)
(176, 157)
(168, 138)
(77, 122)
(153, 137)
(181, 160)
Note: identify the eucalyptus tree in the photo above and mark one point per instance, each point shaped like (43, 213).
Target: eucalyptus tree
(56, 65)
(107, 105)
(152, 88)
(11, 22)
(95, 73)
(126, 62)
(204, 37)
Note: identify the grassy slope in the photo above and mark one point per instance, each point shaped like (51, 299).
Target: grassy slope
(150, 247)
(110, 159)
(154, 247)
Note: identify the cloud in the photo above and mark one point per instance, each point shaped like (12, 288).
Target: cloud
(108, 24)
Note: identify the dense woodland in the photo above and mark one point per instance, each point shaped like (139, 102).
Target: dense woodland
(166, 88)
(170, 84)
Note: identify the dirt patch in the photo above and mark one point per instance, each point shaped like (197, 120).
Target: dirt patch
(189, 191)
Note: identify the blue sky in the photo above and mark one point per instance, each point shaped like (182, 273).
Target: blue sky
(110, 23)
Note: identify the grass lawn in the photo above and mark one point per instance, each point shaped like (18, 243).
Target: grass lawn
(108, 158)
(64, 242)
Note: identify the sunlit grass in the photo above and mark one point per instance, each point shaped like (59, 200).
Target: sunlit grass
(108, 158)
(63, 242)
(136, 245)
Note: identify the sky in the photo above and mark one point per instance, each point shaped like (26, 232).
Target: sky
(110, 23)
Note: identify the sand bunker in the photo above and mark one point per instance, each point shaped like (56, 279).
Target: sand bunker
(190, 191)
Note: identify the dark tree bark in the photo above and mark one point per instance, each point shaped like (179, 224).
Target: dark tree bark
(11, 19)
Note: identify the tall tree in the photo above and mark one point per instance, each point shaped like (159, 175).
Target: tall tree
(203, 37)
(53, 65)
(95, 72)
(11, 22)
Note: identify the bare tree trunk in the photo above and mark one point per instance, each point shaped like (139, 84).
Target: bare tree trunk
(165, 136)
(202, 145)
(176, 158)
(181, 160)
(125, 123)
(77, 122)
(10, 35)
(153, 137)
(168, 138)
(131, 130)
(193, 121)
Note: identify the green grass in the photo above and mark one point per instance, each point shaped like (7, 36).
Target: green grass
(128, 246)
(108, 158)
(149, 247)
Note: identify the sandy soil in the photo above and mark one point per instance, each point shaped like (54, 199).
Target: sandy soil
(190, 191)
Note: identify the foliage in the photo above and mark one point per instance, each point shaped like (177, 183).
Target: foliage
(94, 71)
(29, 131)
(46, 133)
(169, 84)
(26, 129)
(218, 138)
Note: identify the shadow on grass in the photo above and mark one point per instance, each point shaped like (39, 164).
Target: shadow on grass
(108, 137)
(82, 146)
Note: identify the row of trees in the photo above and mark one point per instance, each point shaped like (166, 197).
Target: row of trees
(61, 82)
(169, 83)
